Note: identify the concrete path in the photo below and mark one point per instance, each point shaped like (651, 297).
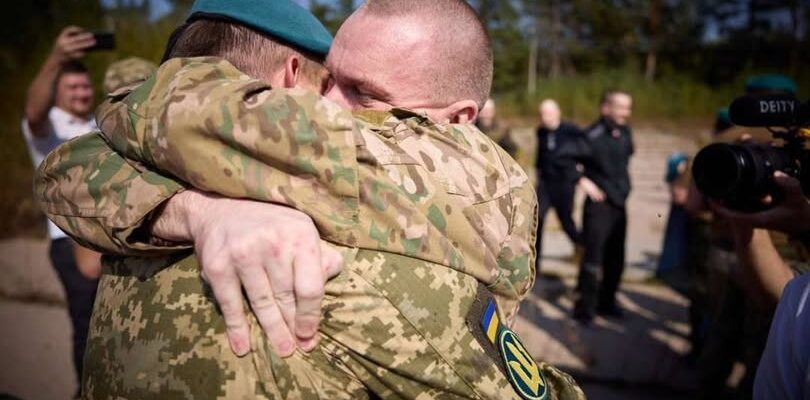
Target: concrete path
(35, 350)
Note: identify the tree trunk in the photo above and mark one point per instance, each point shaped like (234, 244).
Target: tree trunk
(652, 52)
(795, 47)
(556, 28)
(531, 82)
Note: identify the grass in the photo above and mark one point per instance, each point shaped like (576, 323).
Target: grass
(674, 98)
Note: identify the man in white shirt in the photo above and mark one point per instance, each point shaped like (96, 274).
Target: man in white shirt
(58, 108)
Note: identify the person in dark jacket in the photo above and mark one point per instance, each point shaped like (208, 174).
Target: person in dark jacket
(607, 184)
(489, 124)
(561, 146)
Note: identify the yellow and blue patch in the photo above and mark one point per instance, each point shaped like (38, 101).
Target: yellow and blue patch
(490, 322)
(522, 371)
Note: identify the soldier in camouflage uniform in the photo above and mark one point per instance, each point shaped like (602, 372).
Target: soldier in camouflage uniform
(435, 224)
(126, 72)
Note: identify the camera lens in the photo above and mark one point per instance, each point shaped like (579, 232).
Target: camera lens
(721, 169)
(740, 175)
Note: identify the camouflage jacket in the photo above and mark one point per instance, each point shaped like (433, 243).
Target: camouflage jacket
(387, 181)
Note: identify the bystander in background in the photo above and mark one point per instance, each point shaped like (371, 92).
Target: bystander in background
(561, 146)
(672, 266)
(606, 181)
(59, 108)
(489, 124)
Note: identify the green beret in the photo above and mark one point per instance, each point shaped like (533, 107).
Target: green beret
(770, 83)
(282, 19)
(722, 121)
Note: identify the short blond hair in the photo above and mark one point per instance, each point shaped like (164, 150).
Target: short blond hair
(248, 50)
(460, 39)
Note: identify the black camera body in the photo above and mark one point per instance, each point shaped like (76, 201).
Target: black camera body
(741, 175)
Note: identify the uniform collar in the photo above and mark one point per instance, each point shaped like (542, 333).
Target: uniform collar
(382, 118)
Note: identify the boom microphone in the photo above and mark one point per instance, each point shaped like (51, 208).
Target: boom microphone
(767, 110)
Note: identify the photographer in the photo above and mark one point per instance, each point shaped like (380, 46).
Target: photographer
(58, 108)
(783, 369)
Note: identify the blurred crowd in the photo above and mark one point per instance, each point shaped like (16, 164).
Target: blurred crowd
(732, 273)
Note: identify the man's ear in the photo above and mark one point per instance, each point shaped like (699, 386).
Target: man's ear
(460, 112)
(292, 70)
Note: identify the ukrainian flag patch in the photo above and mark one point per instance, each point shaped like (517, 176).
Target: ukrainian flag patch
(522, 371)
(490, 323)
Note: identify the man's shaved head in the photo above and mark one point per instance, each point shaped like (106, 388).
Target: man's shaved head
(433, 56)
(460, 52)
(550, 114)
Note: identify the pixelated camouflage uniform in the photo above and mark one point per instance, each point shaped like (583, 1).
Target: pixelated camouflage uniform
(126, 72)
(402, 197)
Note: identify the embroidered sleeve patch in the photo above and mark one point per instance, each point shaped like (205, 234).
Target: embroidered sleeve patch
(521, 369)
(524, 372)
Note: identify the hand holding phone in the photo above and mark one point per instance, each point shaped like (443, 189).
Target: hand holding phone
(105, 41)
(72, 43)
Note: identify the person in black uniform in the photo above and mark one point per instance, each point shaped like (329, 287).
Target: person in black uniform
(607, 183)
(560, 147)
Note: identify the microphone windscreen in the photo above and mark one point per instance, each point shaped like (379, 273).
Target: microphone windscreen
(764, 110)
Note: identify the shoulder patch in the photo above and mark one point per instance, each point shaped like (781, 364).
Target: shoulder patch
(522, 370)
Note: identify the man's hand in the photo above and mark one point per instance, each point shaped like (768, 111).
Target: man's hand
(791, 216)
(88, 261)
(594, 193)
(71, 44)
(273, 252)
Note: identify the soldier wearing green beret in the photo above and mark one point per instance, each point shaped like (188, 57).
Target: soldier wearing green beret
(433, 221)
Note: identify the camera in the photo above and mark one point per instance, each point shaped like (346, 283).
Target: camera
(741, 175)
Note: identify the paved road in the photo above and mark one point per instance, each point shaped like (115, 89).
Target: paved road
(35, 358)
